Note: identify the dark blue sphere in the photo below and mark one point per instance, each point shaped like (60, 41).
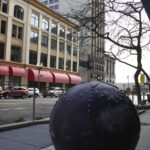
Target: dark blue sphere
(94, 116)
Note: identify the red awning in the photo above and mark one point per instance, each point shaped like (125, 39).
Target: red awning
(75, 79)
(15, 71)
(4, 70)
(60, 77)
(45, 76)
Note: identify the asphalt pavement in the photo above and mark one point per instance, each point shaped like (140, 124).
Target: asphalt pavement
(37, 137)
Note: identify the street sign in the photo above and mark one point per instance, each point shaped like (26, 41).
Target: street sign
(142, 78)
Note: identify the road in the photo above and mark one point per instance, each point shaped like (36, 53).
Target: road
(12, 110)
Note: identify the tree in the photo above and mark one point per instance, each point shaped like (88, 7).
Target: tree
(125, 29)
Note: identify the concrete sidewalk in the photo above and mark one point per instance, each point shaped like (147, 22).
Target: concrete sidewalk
(36, 137)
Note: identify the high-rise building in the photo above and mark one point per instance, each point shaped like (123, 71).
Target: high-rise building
(31, 35)
(92, 51)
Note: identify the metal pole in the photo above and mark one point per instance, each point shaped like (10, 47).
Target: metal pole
(39, 77)
(34, 104)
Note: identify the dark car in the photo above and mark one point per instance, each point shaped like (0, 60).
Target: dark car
(54, 92)
(19, 91)
(6, 93)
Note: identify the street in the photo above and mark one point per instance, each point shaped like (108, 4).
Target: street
(13, 110)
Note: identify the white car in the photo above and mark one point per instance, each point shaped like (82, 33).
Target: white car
(31, 92)
(54, 92)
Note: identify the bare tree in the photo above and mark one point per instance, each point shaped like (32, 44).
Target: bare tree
(125, 28)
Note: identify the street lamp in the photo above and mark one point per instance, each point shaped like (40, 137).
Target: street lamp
(39, 68)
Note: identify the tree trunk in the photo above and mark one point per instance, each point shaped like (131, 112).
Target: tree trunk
(137, 86)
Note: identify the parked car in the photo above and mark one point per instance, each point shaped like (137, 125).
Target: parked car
(19, 91)
(6, 93)
(31, 92)
(54, 92)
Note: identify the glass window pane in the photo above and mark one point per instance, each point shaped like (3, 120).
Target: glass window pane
(61, 63)
(35, 20)
(33, 37)
(68, 65)
(54, 44)
(33, 57)
(44, 59)
(61, 46)
(15, 54)
(5, 6)
(45, 25)
(18, 12)
(53, 61)
(2, 49)
(14, 31)
(44, 41)
(3, 27)
(20, 32)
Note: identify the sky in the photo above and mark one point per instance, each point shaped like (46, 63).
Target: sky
(124, 72)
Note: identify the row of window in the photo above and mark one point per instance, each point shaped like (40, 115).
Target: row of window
(70, 35)
(44, 42)
(110, 68)
(16, 53)
(43, 59)
(19, 13)
(17, 32)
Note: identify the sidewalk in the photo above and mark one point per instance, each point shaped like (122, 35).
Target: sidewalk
(36, 137)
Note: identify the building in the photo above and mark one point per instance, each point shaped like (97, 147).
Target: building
(37, 47)
(92, 51)
(109, 69)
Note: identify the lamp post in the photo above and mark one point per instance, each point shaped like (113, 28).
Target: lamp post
(39, 68)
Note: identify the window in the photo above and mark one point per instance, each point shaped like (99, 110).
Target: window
(54, 44)
(61, 46)
(84, 64)
(62, 32)
(35, 20)
(68, 65)
(75, 52)
(44, 41)
(54, 28)
(69, 49)
(14, 30)
(33, 57)
(18, 12)
(55, 7)
(75, 38)
(3, 27)
(74, 66)
(20, 32)
(44, 59)
(2, 49)
(5, 6)
(69, 35)
(61, 63)
(45, 25)
(17, 32)
(53, 61)
(16, 54)
(45, 2)
(33, 37)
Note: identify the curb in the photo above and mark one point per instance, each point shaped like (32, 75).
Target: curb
(36, 122)
(141, 112)
(22, 124)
